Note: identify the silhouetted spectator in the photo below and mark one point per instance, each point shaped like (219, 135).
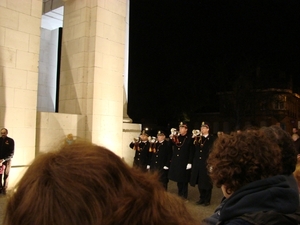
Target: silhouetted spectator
(296, 140)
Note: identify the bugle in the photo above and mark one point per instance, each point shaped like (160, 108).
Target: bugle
(152, 146)
(196, 134)
(136, 142)
(174, 135)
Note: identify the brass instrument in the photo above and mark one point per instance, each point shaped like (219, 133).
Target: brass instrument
(174, 135)
(136, 142)
(196, 134)
(152, 141)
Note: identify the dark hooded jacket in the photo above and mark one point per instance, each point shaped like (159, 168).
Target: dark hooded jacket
(260, 216)
(267, 201)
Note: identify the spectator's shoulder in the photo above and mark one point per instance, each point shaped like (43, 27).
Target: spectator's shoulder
(238, 221)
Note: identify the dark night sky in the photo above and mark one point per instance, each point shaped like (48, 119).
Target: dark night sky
(182, 52)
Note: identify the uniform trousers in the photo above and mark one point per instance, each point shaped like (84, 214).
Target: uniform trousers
(5, 175)
(182, 189)
(205, 194)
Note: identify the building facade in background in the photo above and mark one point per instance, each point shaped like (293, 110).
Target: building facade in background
(256, 108)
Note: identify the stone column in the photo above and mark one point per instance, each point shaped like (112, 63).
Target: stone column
(126, 118)
(19, 53)
(130, 130)
(93, 66)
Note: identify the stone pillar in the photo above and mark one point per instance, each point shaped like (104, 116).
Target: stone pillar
(126, 118)
(19, 53)
(92, 67)
(130, 130)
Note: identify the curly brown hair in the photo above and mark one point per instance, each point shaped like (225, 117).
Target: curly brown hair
(239, 159)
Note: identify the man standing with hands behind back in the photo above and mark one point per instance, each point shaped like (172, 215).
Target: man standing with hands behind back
(7, 147)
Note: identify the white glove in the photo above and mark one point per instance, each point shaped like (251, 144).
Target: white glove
(166, 168)
(189, 166)
(148, 167)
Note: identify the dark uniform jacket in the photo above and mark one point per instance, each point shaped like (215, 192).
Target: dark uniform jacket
(162, 156)
(141, 157)
(199, 171)
(7, 147)
(182, 155)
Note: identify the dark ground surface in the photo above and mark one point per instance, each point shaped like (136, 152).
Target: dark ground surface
(199, 212)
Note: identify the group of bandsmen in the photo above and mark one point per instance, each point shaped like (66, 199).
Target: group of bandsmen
(181, 157)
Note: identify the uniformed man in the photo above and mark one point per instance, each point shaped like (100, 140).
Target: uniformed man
(7, 148)
(181, 161)
(199, 174)
(141, 147)
(160, 158)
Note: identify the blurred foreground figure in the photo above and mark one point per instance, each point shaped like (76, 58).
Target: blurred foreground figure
(84, 184)
(246, 167)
